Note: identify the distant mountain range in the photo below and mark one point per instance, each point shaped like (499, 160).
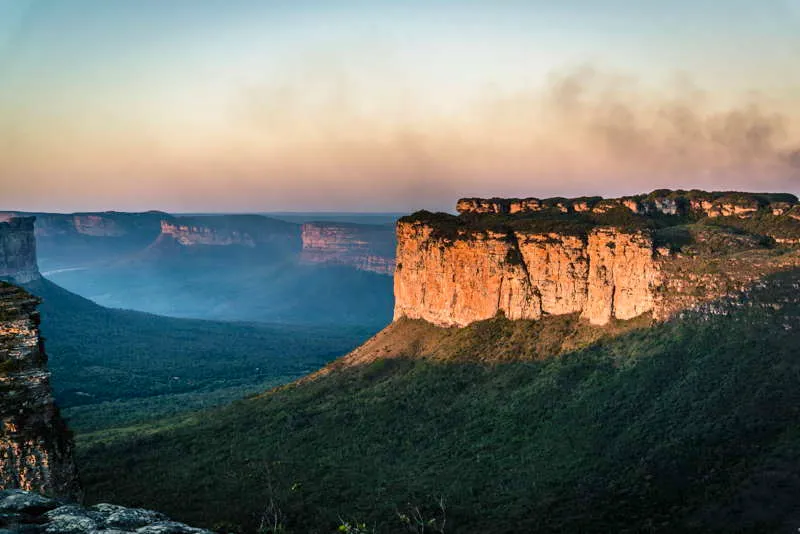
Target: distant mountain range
(231, 267)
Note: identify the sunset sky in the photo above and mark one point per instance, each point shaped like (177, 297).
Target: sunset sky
(250, 106)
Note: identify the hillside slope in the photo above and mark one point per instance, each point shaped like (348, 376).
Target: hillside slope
(100, 354)
(689, 426)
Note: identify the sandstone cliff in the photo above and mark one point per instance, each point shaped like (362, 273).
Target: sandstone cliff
(604, 259)
(605, 274)
(224, 230)
(18, 250)
(364, 247)
(35, 446)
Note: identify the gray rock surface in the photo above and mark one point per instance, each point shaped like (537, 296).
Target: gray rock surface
(27, 512)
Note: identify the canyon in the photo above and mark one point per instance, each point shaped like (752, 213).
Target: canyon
(604, 259)
(219, 267)
(39, 483)
(69, 241)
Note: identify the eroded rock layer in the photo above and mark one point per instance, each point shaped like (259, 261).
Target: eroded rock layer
(364, 247)
(224, 230)
(606, 274)
(35, 447)
(604, 259)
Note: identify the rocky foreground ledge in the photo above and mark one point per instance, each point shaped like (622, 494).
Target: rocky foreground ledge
(31, 513)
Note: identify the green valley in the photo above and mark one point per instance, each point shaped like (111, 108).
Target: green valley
(690, 426)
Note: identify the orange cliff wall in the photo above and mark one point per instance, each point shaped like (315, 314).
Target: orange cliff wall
(595, 257)
(453, 281)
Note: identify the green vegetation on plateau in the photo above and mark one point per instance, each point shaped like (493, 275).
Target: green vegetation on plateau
(544, 221)
(688, 426)
(552, 216)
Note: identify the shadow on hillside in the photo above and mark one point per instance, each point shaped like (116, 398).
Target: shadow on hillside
(687, 426)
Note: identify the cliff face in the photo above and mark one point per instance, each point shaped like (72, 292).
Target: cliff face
(604, 259)
(364, 247)
(225, 230)
(186, 234)
(18, 250)
(607, 274)
(622, 275)
(35, 447)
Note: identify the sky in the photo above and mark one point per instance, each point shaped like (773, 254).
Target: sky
(390, 105)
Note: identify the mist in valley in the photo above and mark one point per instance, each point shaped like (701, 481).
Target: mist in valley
(221, 267)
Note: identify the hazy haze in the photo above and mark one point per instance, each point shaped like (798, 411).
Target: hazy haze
(383, 106)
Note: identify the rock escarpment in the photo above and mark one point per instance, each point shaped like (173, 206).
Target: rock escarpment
(602, 275)
(66, 241)
(18, 250)
(22, 511)
(364, 247)
(97, 224)
(604, 259)
(225, 230)
(35, 446)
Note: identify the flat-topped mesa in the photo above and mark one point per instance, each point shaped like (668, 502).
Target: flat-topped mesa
(195, 234)
(604, 259)
(225, 230)
(35, 447)
(18, 250)
(361, 246)
(664, 202)
(603, 275)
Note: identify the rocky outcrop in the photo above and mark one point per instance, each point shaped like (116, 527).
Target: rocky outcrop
(364, 247)
(226, 230)
(605, 259)
(35, 446)
(623, 275)
(18, 250)
(689, 203)
(22, 511)
(455, 281)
